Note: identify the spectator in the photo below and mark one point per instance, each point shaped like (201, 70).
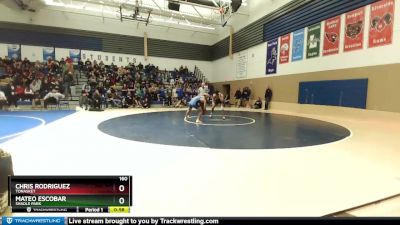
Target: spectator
(52, 97)
(20, 92)
(169, 96)
(45, 88)
(36, 101)
(127, 101)
(84, 99)
(3, 100)
(268, 97)
(245, 97)
(28, 94)
(238, 96)
(11, 95)
(88, 64)
(258, 103)
(68, 81)
(80, 66)
(95, 101)
(146, 103)
(174, 94)
(248, 97)
(36, 85)
(161, 95)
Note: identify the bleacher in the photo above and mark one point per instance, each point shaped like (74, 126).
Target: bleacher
(149, 76)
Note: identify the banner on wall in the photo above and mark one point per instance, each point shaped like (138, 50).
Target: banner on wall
(108, 58)
(298, 45)
(14, 51)
(285, 49)
(241, 65)
(354, 30)
(49, 53)
(381, 23)
(75, 55)
(313, 40)
(332, 36)
(272, 56)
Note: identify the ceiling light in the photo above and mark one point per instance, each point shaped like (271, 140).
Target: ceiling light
(79, 7)
(183, 24)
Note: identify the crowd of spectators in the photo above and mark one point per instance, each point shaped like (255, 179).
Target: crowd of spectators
(107, 86)
(31, 81)
(242, 97)
(135, 85)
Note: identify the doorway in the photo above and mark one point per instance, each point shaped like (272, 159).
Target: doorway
(226, 89)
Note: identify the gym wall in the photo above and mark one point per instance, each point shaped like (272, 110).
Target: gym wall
(380, 65)
(383, 85)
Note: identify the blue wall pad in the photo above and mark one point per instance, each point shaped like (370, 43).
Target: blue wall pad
(346, 93)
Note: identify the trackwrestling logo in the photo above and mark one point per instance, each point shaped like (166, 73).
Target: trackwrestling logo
(33, 220)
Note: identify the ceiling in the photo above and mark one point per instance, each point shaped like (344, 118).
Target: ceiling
(206, 15)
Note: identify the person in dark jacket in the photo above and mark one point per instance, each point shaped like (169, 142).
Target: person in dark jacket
(258, 103)
(96, 100)
(268, 97)
(11, 94)
(238, 96)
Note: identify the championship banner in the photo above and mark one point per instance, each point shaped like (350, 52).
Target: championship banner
(354, 30)
(381, 23)
(313, 41)
(272, 56)
(285, 49)
(298, 45)
(49, 53)
(14, 51)
(332, 36)
(75, 55)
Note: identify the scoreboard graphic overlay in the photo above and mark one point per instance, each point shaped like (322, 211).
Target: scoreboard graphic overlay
(82, 194)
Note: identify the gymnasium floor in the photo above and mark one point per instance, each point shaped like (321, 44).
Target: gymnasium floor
(179, 180)
(16, 123)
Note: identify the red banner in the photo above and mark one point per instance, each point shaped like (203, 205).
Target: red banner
(285, 49)
(354, 30)
(332, 36)
(381, 23)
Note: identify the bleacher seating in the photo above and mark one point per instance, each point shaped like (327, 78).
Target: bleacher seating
(129, 85)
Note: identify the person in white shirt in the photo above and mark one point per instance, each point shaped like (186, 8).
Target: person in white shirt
(201, 91)
(174, 94)
(36, 85)
(52, 97)
(3, 100)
